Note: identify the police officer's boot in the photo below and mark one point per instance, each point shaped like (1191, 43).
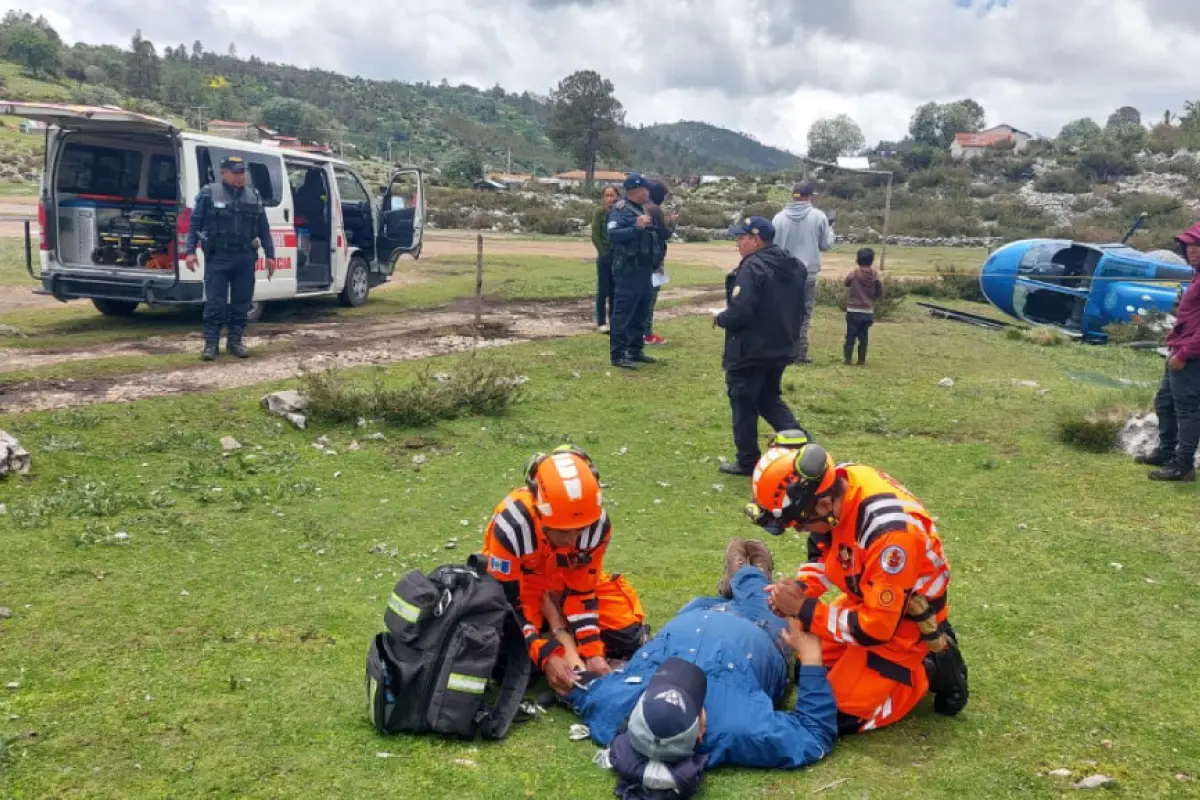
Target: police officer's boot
(210, 351)
(235, 347)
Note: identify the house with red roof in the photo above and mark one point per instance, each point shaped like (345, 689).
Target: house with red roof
(973, 145)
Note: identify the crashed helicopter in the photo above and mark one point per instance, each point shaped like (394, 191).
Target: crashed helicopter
(1082, 288)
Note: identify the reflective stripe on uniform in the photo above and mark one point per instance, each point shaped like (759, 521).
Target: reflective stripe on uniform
(466, 683)
(404, 609)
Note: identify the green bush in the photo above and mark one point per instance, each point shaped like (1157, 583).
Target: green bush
(476, 386)
(1062, 181)
(831, 292)
(1149, 328)
(694, 234)
(702, 215)
(1094, 431)
(768, 210)
(550, 221)
(1105, 164)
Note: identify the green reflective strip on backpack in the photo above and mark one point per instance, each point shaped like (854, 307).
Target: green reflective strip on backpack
(466, 683)
(372, 688)
(404, 609)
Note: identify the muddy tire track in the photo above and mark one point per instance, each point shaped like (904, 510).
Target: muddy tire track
(334, 344)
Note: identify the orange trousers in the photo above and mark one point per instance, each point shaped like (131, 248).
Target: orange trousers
(877, 686)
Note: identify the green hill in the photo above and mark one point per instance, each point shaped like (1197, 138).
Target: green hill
(429, 124)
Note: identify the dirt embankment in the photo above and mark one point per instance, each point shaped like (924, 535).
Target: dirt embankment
(293, 347)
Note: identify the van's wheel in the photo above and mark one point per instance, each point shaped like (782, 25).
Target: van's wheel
(115, 308)
(358, 283)
(256, 311)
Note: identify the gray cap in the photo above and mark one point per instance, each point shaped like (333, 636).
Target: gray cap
(665, 723)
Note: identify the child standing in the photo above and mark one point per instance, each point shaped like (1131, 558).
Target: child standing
(865, 287)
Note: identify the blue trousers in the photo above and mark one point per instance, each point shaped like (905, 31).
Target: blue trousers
(604, 288)
(631, 307)
(228, 292)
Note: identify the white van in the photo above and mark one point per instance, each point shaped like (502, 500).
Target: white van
(116, 200)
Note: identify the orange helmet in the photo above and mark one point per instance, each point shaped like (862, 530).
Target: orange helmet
(787, 480)
(566, 488)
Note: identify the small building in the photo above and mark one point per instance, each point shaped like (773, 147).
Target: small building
(510, 179)
(32, 126)
(854, 162)
(577, 177)
(704, 179)
(973, 145)
(230, 129)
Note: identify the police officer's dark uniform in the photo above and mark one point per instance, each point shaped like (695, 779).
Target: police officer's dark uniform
(635, 253)
(229, 223)
(763, 296)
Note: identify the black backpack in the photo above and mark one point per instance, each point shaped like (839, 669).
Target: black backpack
(453, 659)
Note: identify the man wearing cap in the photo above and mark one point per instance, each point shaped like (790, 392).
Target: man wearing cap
(229, 222)
(636, 242)
(803, 231)
(1177, 402)
(763, 296)
(704, 691)
(658, 195)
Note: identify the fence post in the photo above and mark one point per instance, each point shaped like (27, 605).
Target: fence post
(887, 218)
(479, 281)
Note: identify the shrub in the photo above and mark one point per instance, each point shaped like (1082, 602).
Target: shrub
(549, 221)
(960, 284)
(702, 215)
(1152, 327)
(1046, 336)
(694, 234)
(833, 293)
(1094, 431)
(477, 386)
(1104, 165)
(768, 210)
(1062, 181)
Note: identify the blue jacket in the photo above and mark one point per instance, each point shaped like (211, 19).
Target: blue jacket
(737, 644)
(632, 247)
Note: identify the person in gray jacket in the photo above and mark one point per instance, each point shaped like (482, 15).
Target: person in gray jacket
(803, 231)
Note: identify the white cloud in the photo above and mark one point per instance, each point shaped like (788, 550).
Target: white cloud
(768, 67)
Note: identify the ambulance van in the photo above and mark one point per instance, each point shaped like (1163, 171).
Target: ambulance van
(117, 194)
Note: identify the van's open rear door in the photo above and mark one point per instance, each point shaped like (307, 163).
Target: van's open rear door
(401, 218)
(71, 117)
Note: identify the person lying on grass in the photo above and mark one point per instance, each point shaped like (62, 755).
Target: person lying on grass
(704, 691)
(545, 544)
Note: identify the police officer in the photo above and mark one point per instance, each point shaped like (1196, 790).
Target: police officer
(230, 223)
(764, 296)
(636, 244)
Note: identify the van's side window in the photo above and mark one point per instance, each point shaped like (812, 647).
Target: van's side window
(350, 189)
(88, 169)
(163, 183)
(266, 172)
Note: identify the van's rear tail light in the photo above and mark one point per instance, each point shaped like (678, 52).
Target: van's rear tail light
(43, 243)
(183, 224)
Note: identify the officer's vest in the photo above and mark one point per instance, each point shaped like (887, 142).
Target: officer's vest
(643, 250)
(231, 225)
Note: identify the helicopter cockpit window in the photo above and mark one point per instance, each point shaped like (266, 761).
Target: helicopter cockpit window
(1039, 260)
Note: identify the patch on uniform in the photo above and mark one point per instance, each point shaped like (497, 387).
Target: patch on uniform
(845, 558)
(737, 290)
(886, 597)
(499, 565)
(892, 560)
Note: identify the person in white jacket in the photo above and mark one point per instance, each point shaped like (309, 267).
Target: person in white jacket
(803, 231)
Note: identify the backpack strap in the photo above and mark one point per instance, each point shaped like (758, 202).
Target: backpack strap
(497, 717)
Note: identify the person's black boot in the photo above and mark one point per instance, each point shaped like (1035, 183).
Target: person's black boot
(210, 351)
(1173, 473)
(625, 362)
(235, 347)
(1158, 458)
(734, 468)
(947, 673)
(642, 358)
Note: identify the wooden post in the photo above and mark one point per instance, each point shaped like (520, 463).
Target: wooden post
(479, 281)
(887, 217)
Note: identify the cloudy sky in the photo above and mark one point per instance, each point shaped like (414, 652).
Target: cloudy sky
(767, 67)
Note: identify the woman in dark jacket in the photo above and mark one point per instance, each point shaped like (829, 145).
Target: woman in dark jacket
(604, 259)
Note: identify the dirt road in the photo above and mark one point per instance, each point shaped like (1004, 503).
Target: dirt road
(438, 244)
(336, 343)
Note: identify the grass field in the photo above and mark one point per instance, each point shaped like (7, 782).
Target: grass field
(218, 651)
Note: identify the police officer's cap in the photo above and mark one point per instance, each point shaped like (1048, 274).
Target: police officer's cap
(755, 226)
(635, 180)
(233, 164)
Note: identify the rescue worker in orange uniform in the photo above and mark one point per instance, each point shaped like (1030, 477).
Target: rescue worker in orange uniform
(886, 638)
(546, 544)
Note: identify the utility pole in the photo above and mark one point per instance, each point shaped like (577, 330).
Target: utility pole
(509, 171)
(389, 152)
(199, 111)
